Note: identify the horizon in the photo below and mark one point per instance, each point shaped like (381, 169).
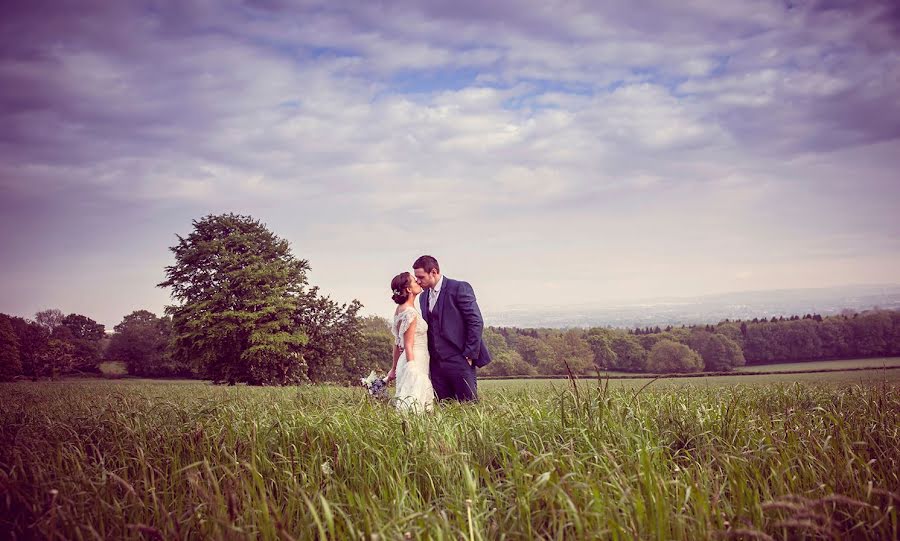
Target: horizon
(563, 154)
(553, 310)
(632, 302)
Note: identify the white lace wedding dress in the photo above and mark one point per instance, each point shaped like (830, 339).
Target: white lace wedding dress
(414, 390)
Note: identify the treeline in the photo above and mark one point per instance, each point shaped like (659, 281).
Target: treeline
(713, 348)
(50, 345)
(342, 345)
(245, 312)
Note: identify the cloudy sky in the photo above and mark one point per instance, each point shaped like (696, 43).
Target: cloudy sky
(548, 152)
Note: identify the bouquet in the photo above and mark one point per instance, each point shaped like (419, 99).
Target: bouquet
(376, 386)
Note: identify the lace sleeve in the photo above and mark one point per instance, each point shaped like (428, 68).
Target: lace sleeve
(406, 319)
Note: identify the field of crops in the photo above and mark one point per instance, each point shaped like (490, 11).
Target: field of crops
(96, 459)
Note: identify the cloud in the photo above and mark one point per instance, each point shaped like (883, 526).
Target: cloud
(515, 125)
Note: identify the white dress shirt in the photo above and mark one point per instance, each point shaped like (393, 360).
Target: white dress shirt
(433, 295)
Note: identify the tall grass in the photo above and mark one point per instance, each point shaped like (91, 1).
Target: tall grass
(137, 460)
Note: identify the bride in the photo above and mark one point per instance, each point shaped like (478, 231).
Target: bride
(411, 361)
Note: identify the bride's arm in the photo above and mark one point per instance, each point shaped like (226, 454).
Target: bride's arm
(409, 340)
(393, 373)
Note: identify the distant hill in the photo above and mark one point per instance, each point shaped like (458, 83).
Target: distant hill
(703, 309)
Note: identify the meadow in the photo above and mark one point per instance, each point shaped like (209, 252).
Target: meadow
(844, 364)
(699, 458)
(851, 374)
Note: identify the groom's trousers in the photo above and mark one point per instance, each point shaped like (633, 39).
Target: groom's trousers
(454, 379)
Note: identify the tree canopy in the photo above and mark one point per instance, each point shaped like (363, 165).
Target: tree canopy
(721, 353)
(141, 341)
(10, 362)
(239, 288)
(84, 334)
(50, 318)
(670, 356)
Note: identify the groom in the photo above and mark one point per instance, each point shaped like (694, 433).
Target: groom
(454, 331)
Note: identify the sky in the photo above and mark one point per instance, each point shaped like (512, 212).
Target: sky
(546, 152)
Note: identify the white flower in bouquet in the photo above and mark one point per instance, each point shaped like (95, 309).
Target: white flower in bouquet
(376, 386)
(370, 379)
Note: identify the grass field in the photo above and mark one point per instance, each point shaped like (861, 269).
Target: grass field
(808, 366)
(836, 377)
(847, 364)
(740, 458)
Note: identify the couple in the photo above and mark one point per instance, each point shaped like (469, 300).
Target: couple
(436, 348)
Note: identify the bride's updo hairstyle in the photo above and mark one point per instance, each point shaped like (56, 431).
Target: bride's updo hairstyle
(399, 285)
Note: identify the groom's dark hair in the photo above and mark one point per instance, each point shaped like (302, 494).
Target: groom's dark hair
(427, 263)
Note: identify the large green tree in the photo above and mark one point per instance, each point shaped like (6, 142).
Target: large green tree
(239, 288)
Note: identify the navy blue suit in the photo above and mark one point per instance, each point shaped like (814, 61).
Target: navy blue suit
(454, 333)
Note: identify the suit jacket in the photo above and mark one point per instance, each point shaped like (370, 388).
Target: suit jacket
(455, 325)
